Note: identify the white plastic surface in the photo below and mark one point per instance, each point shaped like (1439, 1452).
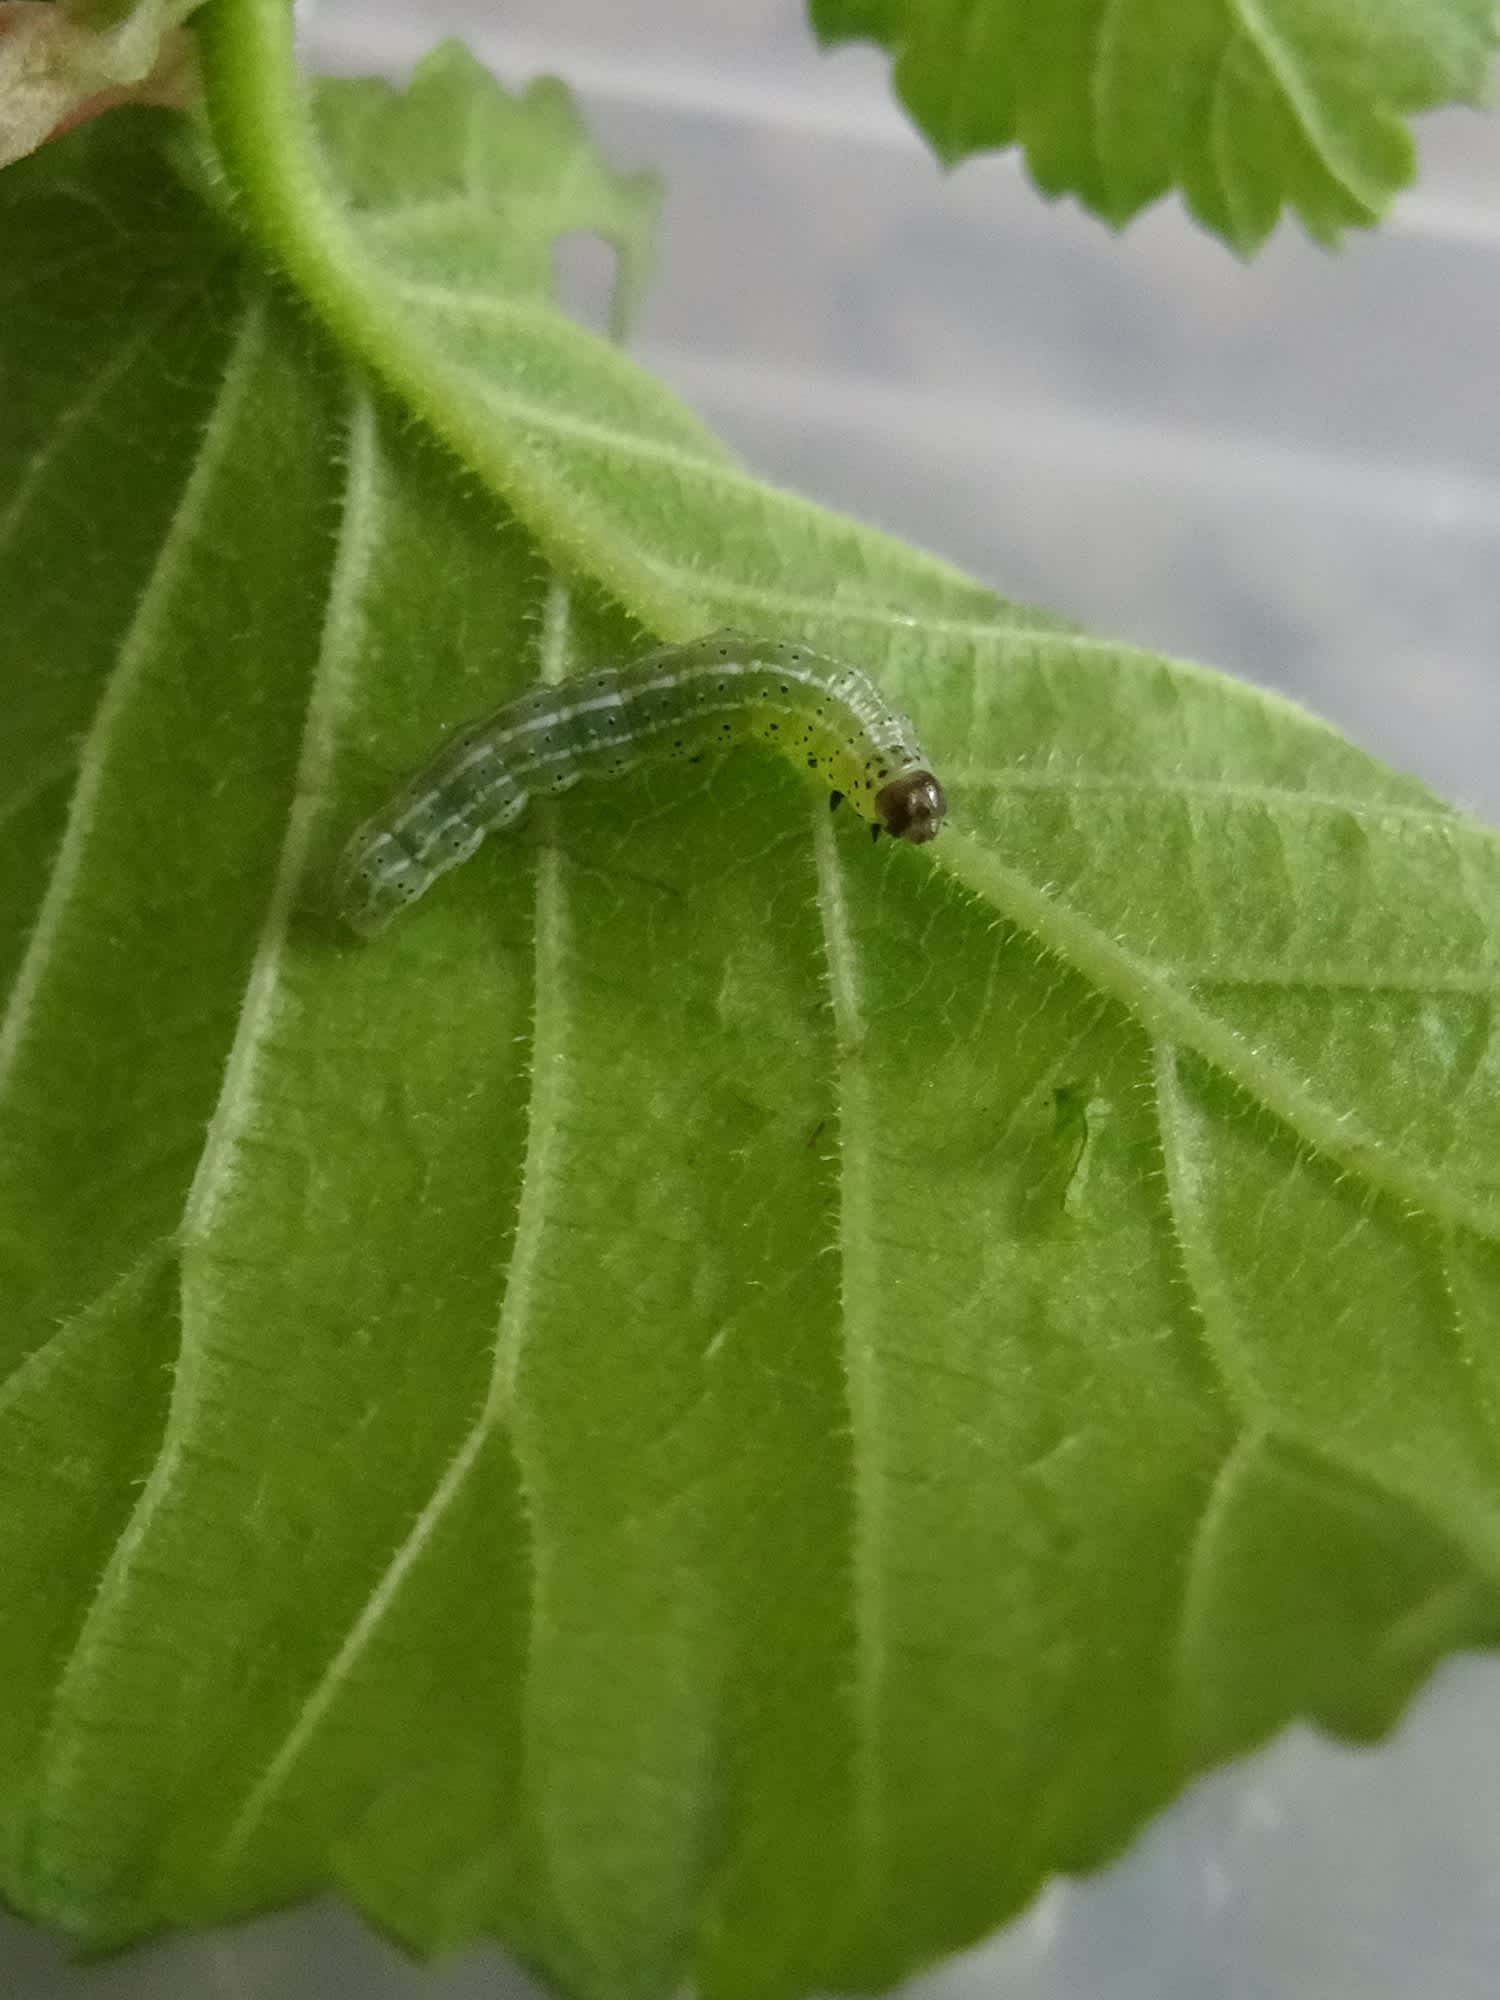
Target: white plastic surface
(1290, 469)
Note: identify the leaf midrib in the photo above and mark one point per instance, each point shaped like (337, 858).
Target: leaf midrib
(1281, 65)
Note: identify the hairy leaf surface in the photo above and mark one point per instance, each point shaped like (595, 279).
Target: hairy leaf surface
(722, 1401)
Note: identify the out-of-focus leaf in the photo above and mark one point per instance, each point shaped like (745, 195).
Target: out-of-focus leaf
(1244, 109)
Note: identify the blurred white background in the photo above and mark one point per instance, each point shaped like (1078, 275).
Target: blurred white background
(1289, 468)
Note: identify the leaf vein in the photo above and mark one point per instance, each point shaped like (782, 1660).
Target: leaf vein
(1436, 817)
(1282, 65)
(134, 651)
(235, 1105)
(532, 1211)
(61, 433)
(1482, 985)
(1173, 1015)
(857, 1259)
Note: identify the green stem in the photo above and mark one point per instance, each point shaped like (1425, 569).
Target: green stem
(268, 149)
(261, 127)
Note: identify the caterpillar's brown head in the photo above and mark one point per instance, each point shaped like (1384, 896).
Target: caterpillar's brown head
(911, 807)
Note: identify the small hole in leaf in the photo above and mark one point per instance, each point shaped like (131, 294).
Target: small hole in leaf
(586, 268)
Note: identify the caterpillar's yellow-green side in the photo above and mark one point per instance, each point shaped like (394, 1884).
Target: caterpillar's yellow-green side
(680, 701)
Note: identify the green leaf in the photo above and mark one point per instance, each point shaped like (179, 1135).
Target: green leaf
(722, 1402)
(453, 188)
(598, 460)
(1243, 106)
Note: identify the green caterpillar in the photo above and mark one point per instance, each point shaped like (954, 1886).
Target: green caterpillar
(677, 702)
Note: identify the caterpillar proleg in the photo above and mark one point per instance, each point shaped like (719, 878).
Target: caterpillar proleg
(827, 717)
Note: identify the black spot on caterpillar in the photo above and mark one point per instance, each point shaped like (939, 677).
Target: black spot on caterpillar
(818, 712)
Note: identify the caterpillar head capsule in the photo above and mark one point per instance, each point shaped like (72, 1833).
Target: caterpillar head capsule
(911, 807)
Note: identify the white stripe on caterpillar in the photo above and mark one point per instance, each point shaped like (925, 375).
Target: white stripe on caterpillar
(679, 701)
